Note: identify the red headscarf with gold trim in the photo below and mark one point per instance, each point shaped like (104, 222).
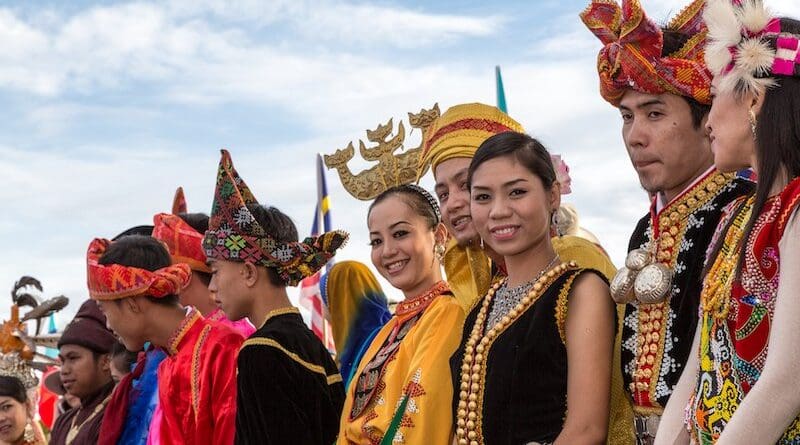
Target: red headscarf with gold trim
(631, 55)
(185, 244)
(115, 281)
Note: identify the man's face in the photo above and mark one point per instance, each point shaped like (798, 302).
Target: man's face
(125, 322)
(453, 194)
(229, 289)
(664, 146)
(83, 374)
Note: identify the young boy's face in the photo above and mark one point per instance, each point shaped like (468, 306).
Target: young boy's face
(82, 372)
(229, 289)
(126, 323)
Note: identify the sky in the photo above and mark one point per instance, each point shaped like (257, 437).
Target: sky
(109, 106)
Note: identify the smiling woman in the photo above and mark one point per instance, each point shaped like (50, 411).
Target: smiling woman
(549, 318)
(402, 382)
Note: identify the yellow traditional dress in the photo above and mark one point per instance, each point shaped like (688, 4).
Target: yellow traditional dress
(402, 384)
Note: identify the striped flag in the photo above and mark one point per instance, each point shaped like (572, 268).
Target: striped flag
(310, 295)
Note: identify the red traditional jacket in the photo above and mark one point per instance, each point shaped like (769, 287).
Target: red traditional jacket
(197, 383)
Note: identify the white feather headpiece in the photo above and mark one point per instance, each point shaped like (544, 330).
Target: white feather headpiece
(745, 48)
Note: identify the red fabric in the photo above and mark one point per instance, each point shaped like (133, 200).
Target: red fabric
(115, 281)
(48, 401)
(198, 379)
(117, 408)
(179, 202)
(759, 281)
(631, 56)
(185, 244)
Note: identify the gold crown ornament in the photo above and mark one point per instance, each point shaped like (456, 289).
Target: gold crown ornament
(391, 169)
(642, 279)
(18, 356)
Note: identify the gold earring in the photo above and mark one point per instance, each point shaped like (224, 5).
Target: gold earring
(753, 122)
(438, 250)
(27, 434)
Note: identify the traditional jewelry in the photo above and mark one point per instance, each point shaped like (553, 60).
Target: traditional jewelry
(508, 298)
(642, 278)
(753, 122)
(715, 297)
(476, 352)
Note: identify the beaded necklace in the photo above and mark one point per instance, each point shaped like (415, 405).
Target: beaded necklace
(508, 298)
(468, 431)
(716, 293)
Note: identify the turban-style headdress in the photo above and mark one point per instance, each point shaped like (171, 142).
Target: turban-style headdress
(185, 244)
(460, 131)
(747, 47)
(235, 235)
(115, 281)
(631, 55)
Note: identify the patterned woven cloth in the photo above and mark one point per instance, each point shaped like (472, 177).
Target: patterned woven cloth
(631, 56)
(115, 281)
(235, 235)
(185, 244)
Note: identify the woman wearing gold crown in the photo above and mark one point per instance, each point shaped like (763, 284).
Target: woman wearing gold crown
(401, 388)
(534, 364)
(741, 381)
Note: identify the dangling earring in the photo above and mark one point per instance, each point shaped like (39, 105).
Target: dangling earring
(27, 434)
(554, 223)
(753, 122)
(481, 243)
(438, 251)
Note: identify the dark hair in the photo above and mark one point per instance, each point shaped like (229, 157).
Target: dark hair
(416, 197)
(136, 230)
(777, 142)
(526, 150)
(673, 42)
(143, 252)
(13, 387)
(120, 353)
(199, 222)
(280, 227)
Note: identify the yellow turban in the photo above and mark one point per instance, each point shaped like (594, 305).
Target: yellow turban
(460, 131)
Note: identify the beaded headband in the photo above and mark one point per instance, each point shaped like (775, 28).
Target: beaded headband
(747, 47)
(428, 197)
(631, 55)
(234, 234)
(115, 281)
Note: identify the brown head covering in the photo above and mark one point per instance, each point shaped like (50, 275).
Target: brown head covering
(88, 329)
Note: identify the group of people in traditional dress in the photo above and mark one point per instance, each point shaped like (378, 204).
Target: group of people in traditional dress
(510, 331)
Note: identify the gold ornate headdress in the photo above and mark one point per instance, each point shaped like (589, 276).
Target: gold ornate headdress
(391, 169)
(18, 356)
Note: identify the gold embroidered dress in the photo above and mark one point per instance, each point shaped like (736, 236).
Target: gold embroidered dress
(404, 375)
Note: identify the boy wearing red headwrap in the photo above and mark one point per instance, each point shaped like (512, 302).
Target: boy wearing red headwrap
(136, 286)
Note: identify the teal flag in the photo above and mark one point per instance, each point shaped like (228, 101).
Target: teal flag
(501, 94)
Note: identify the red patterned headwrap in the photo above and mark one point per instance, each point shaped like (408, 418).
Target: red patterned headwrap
(185, 244)
(235, 235)
(114, 281)
(631, 55)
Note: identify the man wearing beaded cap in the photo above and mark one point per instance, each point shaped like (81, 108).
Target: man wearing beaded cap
(289, 389)
(658, 81)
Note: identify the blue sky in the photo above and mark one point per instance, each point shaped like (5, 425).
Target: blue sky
(109, 106)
